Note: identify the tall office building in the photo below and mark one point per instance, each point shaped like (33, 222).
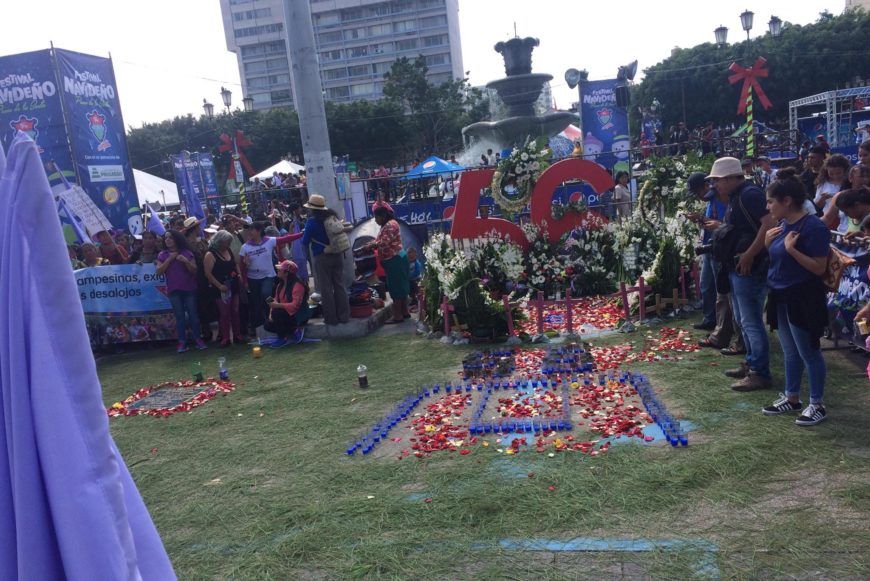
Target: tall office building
(357, 42)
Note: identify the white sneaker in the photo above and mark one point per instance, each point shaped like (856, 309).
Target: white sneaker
(812, 415)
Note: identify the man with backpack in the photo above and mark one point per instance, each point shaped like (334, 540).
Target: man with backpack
(748, 217)
(325, 236)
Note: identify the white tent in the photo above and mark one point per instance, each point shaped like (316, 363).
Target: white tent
(154, 189)
(282, 166)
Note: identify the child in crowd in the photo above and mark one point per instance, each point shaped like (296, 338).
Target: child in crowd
(415, 273)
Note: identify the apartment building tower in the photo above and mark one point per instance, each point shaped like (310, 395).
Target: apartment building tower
(357, 42)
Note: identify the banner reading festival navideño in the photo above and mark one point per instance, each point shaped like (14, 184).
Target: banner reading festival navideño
(605, 126)
(96, 133)
(30, 102)
(125, 303)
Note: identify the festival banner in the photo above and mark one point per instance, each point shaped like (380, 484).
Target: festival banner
(208, 176)
(191, 192)
(606, 126)
(30, 102)
(96, 132)
(125, 303)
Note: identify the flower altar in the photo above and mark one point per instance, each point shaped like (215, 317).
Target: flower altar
(655, 242)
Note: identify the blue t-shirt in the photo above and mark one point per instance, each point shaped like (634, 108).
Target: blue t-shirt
(814, 240)
(416, 269)
(715, 211)
(315, 236)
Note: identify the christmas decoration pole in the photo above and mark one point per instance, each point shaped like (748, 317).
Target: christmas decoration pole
(750, 126)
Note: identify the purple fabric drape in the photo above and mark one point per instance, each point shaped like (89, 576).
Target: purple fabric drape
(68, 506)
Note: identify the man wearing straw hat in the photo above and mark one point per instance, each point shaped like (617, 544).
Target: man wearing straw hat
(326, 237)
(747, 273)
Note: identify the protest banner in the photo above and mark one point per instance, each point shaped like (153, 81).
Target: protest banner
(126, 303)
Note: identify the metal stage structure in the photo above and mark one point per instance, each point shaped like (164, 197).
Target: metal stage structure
(839, 109)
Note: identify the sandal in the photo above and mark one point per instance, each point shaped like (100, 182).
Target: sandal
(708, 343)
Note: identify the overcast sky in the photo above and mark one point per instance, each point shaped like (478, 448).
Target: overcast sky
(170, 54)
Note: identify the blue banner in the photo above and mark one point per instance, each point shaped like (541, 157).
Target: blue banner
(125, 304)
(190, 185)
(605, 126)
(208, 176)
(96, 131)
(123, 288)
(30, 102)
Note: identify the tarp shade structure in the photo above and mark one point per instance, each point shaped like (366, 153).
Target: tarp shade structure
(68, 506)
(283, 166)
(432, 167)
(153, 189)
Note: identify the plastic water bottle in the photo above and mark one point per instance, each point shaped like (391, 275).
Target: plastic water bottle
(361, 372)
(223, 372)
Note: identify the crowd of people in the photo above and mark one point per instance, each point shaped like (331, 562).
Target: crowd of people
(247, 275)
(766, 253)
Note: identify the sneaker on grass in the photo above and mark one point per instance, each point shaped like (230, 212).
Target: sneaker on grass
(181, 348)
(200, 344)
(814, 414)
(298, 335)
(782, 406)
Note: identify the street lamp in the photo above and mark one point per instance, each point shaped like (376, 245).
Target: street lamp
(248, 102)
(746, 21)
(774, 26)
(721, 35)
(227, 97)
(207, 108)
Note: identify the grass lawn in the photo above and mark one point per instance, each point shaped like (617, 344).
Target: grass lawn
(257, 484)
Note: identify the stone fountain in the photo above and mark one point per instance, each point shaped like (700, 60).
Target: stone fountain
(519, 91)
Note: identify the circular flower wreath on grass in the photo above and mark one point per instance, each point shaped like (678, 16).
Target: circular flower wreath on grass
(210, 388)
(515, 175)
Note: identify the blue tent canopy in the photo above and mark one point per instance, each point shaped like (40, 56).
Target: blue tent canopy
(432, 167)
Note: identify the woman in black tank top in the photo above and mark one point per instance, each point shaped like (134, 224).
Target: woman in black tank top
(222, 272)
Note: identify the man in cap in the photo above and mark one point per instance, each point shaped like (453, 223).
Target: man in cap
(747, 272)
(697, 185)
(766, 173)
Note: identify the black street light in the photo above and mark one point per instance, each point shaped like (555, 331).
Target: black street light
(721, 35)
(746, 21)
(207, 108)
(774, 26)
(227, 97)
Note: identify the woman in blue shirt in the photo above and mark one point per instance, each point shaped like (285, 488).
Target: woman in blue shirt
(796, 306)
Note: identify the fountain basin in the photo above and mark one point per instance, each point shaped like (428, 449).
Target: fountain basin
(515, 130)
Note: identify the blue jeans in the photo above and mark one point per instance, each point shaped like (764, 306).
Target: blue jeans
(260, 289)
(184, 303)
(798, 352)
(708, 290)
(747, 301)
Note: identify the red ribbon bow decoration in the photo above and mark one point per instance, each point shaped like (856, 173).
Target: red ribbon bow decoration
(241, 143)
(750, 78)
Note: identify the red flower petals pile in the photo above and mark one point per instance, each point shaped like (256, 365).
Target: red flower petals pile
(210, 389)
(606, 411)
(669, 340)
(541, 403)
(600, 312)
(439, 428)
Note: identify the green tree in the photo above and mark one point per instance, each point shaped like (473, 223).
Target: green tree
(438, 112)
(803, 61)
